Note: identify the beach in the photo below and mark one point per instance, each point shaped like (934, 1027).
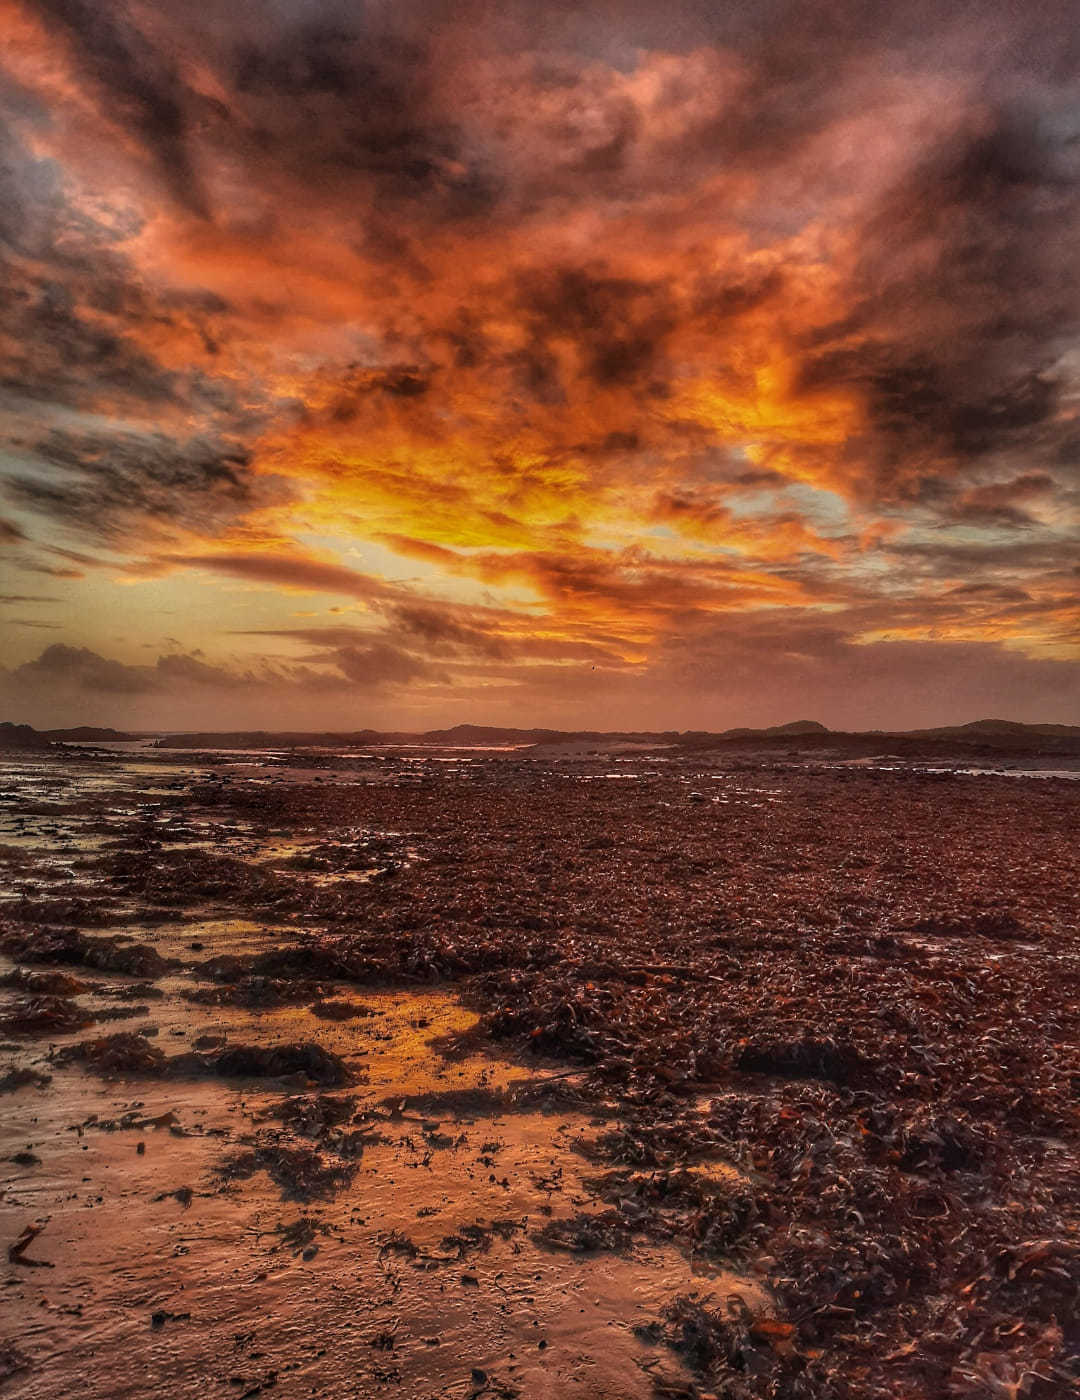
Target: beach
(602, 1074)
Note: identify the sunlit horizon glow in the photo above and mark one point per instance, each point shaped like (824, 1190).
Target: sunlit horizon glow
(612, 366)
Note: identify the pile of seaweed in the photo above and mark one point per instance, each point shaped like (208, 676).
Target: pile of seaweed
(860, 986)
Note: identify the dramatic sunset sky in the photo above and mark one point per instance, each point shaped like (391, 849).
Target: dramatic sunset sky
(667, 364)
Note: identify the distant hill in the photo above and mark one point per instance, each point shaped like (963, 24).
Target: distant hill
(795, 729)
(985, 738)
(800, 736)
(85, 734)
(21, 736)
(460, 736)
(271, 739)
(1000, 729)
(799, 726)
(481, 734)
(981, 738)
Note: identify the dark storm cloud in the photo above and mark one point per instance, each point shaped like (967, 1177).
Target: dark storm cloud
(990, 591)
(111, 484)
(59, 268)
(356, 386)
(1034, 555)
(59, 354)
(338, 100)
(341, 99)
(963, 300)
(617, 325)
(717, 300)
(71, 311)
(139, 85)
(1004, 503)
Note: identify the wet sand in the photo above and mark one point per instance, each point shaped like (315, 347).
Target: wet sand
(167, 1275)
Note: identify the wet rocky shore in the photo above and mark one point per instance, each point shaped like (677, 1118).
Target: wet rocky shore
(466, 1075)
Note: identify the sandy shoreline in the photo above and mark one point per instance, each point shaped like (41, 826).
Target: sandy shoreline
(796, 1051)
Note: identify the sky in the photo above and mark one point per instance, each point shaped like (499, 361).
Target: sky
(608, 365)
